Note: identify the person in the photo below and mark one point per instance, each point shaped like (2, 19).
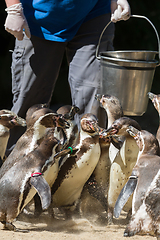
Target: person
(44, 31)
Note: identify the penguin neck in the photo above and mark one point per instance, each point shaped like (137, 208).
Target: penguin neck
(3, 130)
(69, 130)
(141, 151)
(83, 135)
(38, 133)
(4, 135)
(112, 116)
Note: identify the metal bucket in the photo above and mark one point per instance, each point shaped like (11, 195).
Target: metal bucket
(128, 75)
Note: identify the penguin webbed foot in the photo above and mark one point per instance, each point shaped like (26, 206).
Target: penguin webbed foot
(128, 233)
(38, 206)
(129, 215)
(11, 227)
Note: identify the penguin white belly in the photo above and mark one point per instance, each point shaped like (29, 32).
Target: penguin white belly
(102, 169)
(120, 171)
(30, 195)
(51, 174)
(71, 187)
(3, 145)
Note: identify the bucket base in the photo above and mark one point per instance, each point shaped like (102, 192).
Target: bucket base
(129, 113)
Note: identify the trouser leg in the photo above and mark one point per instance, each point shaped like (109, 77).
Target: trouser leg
(84, 70)
(35, 68)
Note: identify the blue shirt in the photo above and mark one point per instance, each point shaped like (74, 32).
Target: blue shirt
(59, 20)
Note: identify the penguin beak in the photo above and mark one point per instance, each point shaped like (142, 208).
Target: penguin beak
(93, 126)
(14, 120)
(103, 133)
(18, 121)
(113, 130)
(62, 123)
(151, 96)
(73, 111)
(45, 105)
(133, 132)
(98, 97)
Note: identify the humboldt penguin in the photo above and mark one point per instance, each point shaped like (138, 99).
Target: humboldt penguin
(144, 182)
(77, 169)
(8, 120)
(156, 102)
(101, 173)
(146, 220)
(123, 163)
(36, 128)
(69, 134)
(21, 181)
(145, 169)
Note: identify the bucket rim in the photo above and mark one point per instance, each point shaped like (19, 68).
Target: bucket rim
(130, 51)
(153, 62)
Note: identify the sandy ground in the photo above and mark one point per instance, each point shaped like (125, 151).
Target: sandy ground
(90, 226)
(71, 229)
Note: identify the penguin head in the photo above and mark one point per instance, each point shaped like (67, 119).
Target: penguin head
(111, 104)
(9, 119)
(120, 126)
(145, 140)
(68, 111)
(155, 100)
(89, 123)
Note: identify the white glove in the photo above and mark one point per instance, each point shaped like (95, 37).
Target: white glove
(16, 22)
(122, 12)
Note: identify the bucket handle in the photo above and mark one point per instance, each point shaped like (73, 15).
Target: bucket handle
(136, 16)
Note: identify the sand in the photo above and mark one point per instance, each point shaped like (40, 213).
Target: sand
(90, 225)
(79, 228)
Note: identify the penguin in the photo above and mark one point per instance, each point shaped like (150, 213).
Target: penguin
(36, 128)
(144, 182)
(146, 220)
(27, 176)
(123, 163)
(77, 169)
(8, 120)
(112, 106)
(156, 102)
(70, 134)
(101, 173)
(145, 169)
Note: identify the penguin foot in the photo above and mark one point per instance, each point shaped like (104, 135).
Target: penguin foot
(110, 216)
(129, 215)
(11, 227)
(128, 233)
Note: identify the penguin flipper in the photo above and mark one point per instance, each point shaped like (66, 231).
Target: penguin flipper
(124, 195)
(64, 152)
(43, 189)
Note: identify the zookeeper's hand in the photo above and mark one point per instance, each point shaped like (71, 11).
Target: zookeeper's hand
(122, 12)
(16, 22)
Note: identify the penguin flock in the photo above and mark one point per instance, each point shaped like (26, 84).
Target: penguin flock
(53, 162)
